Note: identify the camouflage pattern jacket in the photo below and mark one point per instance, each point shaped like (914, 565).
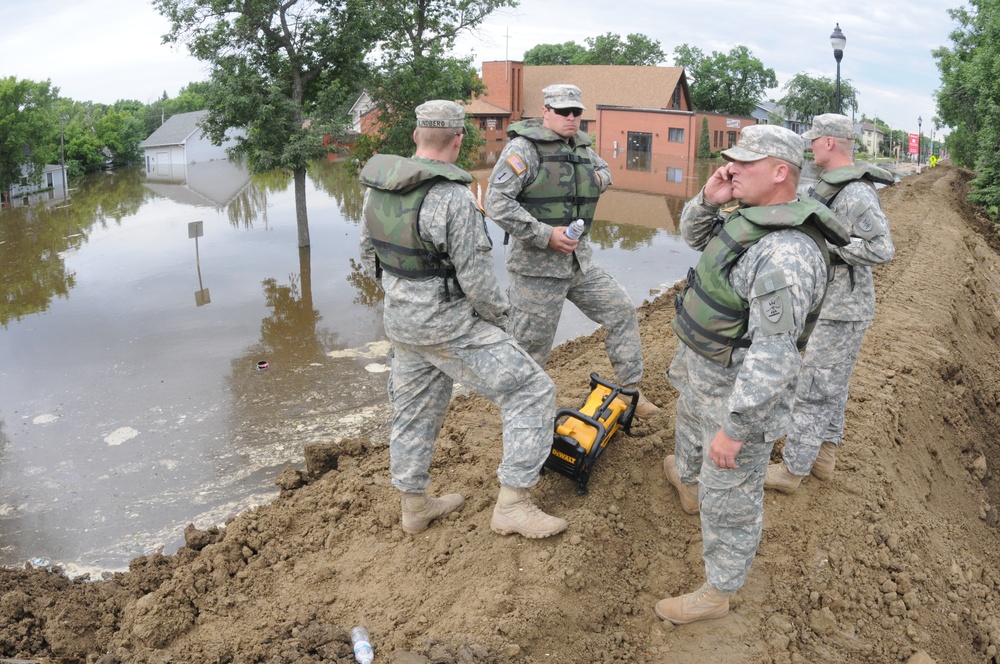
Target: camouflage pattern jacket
(515, 170)
(419, 312)
(783, 277)
(851, 293)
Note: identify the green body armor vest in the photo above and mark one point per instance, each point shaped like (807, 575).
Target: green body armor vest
(832, 183)
(712, 319)
(399, 186)
(566, 186)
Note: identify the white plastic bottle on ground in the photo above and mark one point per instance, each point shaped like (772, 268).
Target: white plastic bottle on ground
(362, 645)
(575, 230)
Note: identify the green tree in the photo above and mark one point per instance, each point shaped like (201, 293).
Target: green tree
(29, 129)
(278, 71)
(807, 96)
(606, 49)
(730, 83)
(636, 49)
(415, 67)
(704, 141)
(969, 97)
(568, 53)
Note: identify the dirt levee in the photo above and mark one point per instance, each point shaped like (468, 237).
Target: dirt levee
(897, 554)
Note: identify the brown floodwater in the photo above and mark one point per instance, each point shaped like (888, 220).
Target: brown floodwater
(136, 314)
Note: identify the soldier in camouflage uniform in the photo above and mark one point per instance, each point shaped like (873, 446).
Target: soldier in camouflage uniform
(821, 392)
(742, 320)
(545, 178)
(425, 238)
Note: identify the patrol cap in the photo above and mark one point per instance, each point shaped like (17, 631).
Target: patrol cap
(830, 124)
(760, 141)
(563, 95)
(440, 113)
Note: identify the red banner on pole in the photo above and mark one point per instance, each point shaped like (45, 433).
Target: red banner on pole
(914, 144)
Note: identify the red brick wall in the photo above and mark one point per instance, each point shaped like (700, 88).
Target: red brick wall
(505, 86)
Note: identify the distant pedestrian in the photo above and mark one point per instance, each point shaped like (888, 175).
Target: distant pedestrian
(445, 314)
(848, 189)
(742, 320)
(546, 178)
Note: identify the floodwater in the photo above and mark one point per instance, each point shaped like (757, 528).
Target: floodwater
(135, 316)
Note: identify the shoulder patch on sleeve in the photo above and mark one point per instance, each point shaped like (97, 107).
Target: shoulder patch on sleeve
(770, 294)
(866, 224)
(517, 164)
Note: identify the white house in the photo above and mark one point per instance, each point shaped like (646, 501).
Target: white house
(49, 184)
(181, 141)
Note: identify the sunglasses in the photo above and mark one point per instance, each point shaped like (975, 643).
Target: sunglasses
(566, 112)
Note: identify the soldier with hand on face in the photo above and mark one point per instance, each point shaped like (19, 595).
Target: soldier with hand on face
(742, 320)
(425, 238)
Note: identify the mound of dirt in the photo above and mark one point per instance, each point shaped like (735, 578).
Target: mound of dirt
(895, 559)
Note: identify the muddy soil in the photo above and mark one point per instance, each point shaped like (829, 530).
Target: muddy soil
(895, 559)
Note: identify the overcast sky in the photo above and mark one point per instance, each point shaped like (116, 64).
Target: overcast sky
(105, 50)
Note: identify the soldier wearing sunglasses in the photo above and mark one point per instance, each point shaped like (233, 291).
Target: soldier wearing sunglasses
(546, 177)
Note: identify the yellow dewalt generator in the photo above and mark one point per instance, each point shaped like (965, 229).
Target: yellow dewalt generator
(581, 436)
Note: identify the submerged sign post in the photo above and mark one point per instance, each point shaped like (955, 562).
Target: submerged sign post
(195, 230)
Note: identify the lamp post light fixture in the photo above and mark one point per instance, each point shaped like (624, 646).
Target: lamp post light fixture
(920, 140)
(838, 41)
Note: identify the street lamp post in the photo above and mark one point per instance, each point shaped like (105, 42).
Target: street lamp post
(838, 41)
(920, 146)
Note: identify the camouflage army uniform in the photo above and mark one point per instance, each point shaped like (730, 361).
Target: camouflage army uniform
(749, 400)
(541, 279)
(439, 339)
(848, 310)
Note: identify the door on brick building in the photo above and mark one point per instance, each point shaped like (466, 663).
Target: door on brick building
(639, 156)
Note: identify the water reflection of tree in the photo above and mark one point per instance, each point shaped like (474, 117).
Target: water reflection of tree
(607, 235)
(369, 292)
(341, 184)
(34, 239)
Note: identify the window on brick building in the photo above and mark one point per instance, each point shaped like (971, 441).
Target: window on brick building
(675, 175)
(638, 156)
(676, 135)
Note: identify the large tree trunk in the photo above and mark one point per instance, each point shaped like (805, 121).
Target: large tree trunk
(301, 215)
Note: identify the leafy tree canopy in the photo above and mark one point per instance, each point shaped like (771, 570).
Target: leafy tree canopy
(807, 96)
(969, 97)
(606, 49)
(725, 82)
(415, 66)
(28, 126)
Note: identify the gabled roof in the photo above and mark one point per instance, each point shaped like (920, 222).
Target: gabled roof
(483, 107)
(176, 130)
(610, 85)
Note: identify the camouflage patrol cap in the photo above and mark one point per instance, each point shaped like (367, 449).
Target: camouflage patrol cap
(563, 95)
(830, 124)
(440, 113)
(760, 141)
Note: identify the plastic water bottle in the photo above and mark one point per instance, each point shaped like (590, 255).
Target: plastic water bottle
(575, 230)
(362, 645)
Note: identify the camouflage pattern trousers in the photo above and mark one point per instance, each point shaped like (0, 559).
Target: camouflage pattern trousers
(487, 361)
(821, 391)
(731, 502)
(537, 303)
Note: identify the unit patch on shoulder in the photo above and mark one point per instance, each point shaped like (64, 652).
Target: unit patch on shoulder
(770, 292)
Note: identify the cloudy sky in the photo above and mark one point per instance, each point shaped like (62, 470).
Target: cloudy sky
(105, 50)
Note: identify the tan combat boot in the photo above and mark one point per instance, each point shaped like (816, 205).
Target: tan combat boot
(419, 510)
(703, 604)
(688, 492)
(515, 513)
(780, 478)
(644, 409)
(827, 459)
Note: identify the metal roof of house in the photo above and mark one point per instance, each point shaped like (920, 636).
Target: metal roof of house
(176, 130)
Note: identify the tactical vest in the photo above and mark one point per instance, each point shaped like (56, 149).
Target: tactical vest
(712, 319)
(566, 187)
(832, 183)
(398, 187)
